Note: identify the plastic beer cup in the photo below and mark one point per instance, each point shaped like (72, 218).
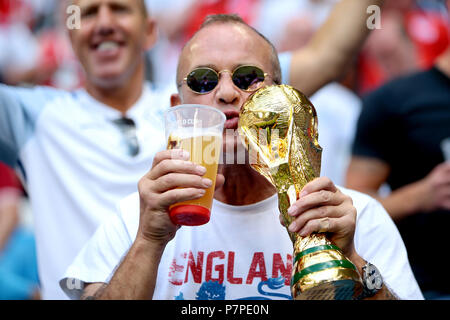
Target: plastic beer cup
(197, 129)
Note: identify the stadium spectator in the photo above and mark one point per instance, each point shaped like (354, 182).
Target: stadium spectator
(398, 142)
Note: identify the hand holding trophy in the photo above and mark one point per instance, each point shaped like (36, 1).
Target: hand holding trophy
(278, 126)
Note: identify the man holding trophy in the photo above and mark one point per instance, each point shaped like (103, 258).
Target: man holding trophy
(243, 252)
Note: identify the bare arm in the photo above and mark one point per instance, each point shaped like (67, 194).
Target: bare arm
(134, 279)
(93, 290)
(432, 192)
(333, 46)
(366, 174)
(9, 217)
(172, 22)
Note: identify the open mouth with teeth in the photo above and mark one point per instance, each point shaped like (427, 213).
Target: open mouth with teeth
(107, 46)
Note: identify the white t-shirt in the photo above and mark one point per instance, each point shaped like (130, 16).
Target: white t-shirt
(242, 253)
(337, 110)
(75, 164)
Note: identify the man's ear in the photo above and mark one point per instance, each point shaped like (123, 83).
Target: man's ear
(175, 99)
(151, 35)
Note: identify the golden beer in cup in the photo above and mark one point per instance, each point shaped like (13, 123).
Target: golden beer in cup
(198, 130)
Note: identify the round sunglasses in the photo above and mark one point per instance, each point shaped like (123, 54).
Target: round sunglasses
(203, 80)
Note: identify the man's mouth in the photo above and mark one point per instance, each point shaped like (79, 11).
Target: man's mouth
(232, 119)
(107, 47)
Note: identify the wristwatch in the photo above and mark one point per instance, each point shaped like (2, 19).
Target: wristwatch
(372, 280)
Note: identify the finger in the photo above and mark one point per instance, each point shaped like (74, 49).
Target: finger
(220, 181)
(318, 225)
(443, 193)
(179, 180)
(170, 154)
(337, 226)
(441, 178)
(167, 166)
(444, 166)
(446, 205)
(282, 220)
(444, 180)
(173, 196)
(322, 212)
(322, 183)
(316, 199)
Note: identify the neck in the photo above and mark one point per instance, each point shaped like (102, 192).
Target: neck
(119, 96)
(443, 62)
(243, 186)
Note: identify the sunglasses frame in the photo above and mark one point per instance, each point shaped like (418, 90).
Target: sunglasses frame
(265, 74)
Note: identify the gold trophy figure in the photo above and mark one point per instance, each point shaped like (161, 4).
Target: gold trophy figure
(278, 126)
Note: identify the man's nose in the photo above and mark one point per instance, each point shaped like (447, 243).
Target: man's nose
(227, 92)
(105, 20)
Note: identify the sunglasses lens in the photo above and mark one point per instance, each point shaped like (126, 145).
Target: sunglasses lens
(202, 80)
(248, 77)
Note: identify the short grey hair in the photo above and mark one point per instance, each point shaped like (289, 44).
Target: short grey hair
(235, 19)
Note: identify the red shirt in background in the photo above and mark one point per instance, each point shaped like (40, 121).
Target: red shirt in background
(8, 178)
(244, 8)
(429, 32)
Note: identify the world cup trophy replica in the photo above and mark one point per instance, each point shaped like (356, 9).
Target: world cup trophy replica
(278, 126)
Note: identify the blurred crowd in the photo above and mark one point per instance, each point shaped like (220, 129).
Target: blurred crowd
(35, 50)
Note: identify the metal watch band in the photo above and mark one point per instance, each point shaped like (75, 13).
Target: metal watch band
(372, 280)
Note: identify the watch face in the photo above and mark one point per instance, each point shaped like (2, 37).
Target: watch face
(373, 278)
